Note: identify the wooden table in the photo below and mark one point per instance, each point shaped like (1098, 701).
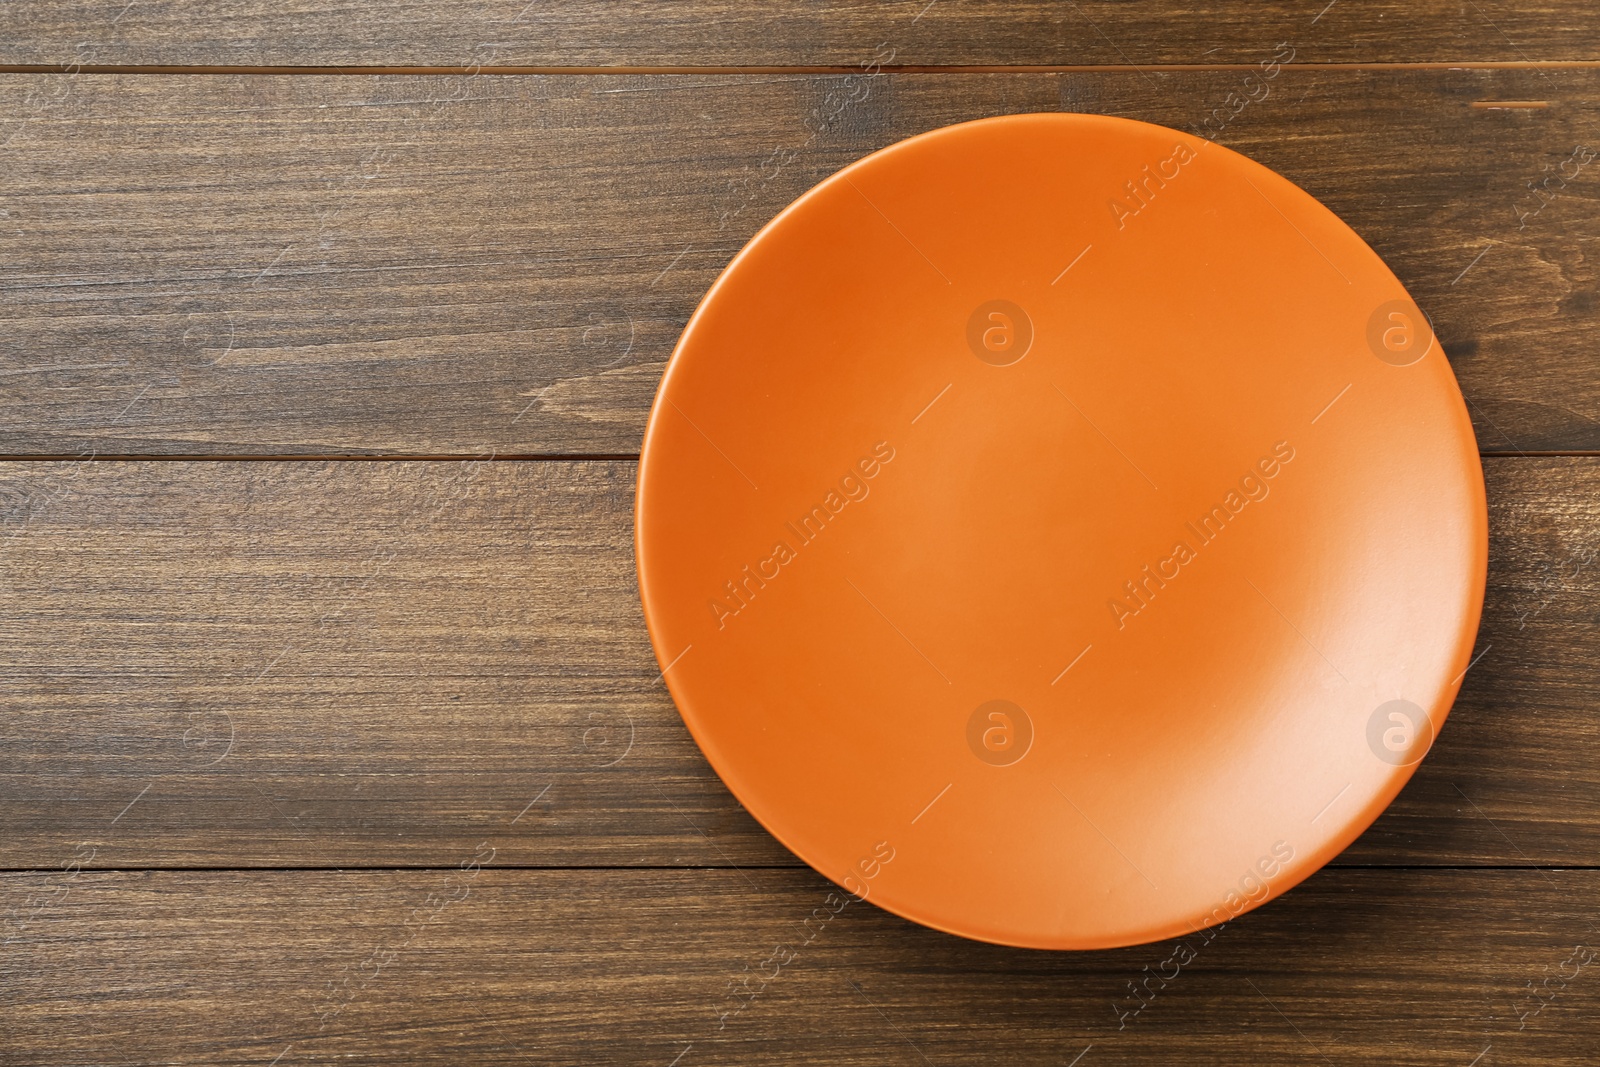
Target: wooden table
(331, 729)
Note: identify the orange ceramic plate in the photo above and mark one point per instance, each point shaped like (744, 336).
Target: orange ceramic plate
(1061, 531)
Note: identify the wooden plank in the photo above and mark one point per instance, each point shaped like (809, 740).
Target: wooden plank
(467, 265)
(484, 965)
(363, 664)
(704, 33)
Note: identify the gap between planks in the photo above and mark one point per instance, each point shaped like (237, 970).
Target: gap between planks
(508, 457)
(798, 70)
(797, 865)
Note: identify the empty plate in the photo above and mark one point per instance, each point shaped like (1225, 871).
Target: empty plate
(1061, 531)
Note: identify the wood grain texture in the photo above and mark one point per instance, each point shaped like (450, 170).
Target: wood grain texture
(841, 32)
(435, 674)
(363, 664)
(473, 265)
(481, 965)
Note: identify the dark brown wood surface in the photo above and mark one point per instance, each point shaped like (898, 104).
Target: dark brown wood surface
(360, 663)
(307, 265)
(486, 965)
(709, 33)
(329, 727)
